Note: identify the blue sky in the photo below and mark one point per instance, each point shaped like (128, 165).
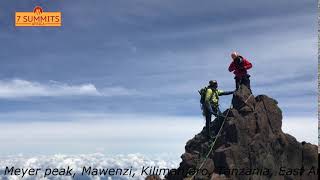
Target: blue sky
(148, 58)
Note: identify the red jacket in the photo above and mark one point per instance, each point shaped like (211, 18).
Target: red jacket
(240, 70)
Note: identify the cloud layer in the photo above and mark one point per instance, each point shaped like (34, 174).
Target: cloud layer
(77, 162)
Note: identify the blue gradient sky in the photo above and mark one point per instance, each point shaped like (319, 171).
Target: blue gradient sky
(150, 57)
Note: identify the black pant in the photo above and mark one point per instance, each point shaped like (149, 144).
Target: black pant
(245, 80)
(216, 113)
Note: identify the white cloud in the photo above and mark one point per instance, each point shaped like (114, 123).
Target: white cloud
(77, 162)
(19, 88)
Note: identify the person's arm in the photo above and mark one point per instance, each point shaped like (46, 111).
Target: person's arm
(246, 64)
(232, 67)
(222, 93)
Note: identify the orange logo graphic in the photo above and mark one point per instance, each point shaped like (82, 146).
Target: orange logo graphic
(38, 18)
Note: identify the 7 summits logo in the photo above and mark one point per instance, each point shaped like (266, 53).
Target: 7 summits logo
(38, 18)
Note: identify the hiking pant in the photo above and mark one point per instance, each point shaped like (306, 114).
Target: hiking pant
(245, 80)
(217, 113)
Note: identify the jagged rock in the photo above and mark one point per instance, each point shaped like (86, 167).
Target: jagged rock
(154, 177)
(252, 145)
(243, 100)
(215, 176)
(189, 159)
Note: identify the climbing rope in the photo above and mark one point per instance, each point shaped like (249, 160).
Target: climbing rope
(213, 143)
(248, 99)
(215, 140)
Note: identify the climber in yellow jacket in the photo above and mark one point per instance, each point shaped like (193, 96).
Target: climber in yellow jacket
(211, 103)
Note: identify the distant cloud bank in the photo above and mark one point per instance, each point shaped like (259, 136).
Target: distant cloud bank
(78, 133)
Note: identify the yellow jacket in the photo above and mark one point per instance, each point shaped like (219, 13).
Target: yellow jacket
(212, 97)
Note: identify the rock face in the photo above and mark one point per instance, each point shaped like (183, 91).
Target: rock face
(251, 146)
(153, 177)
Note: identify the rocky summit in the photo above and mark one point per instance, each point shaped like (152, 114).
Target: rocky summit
(251, 146)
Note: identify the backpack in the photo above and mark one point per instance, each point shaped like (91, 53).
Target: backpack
(202, 93)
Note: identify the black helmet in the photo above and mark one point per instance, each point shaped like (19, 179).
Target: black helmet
(213, 83)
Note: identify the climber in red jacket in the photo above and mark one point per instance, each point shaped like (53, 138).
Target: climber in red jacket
(239, 66)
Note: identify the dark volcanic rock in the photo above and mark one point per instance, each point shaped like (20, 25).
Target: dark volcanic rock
(153, 177)
(251, 146)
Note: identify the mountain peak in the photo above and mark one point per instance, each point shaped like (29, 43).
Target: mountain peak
(251, 146)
